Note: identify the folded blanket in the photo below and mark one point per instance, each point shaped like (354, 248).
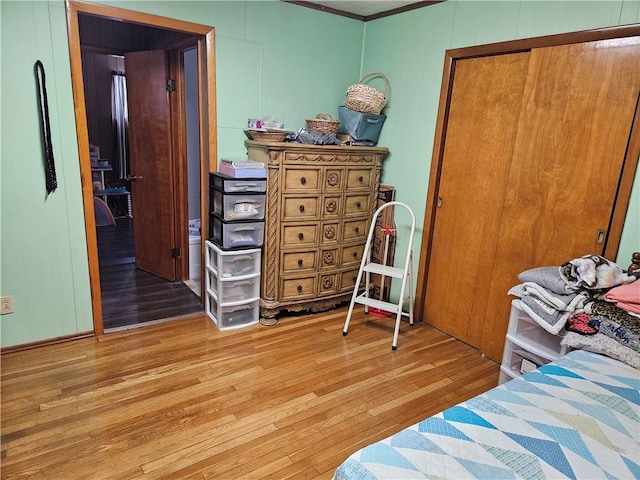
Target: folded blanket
(625, 296)
(564, 302)
(549, 318)
(600, 343)
(616, 323)
(548, 278)
(550, 310)
(595, 273)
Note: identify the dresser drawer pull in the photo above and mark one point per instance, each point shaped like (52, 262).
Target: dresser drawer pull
(301, 236)
(300, 262)
(301, 208)
(360, 179)
(303, 180)
(357, 229)
(358, 205)
(355, 254)
(299, 288)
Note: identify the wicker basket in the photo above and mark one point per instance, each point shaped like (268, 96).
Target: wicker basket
(366, 99)
(323, 123)
(267, 136)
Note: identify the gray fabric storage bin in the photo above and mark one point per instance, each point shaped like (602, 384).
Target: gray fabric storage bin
(361, 126)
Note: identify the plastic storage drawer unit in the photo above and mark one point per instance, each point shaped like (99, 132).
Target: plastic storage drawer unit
(237, 206)
(240, 234)
(232, 290)
(227, 264)
(229, 184)
(228, 317)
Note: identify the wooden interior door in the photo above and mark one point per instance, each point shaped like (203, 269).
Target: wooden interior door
(575, 124)
(152, 164)
(483, 114)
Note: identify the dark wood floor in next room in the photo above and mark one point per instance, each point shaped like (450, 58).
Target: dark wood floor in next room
(131, 296)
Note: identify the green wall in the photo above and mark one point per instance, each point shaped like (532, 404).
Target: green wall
(409, 49)
(42, 245)
(272, 58)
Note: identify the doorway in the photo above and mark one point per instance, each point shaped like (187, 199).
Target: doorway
(140, 294)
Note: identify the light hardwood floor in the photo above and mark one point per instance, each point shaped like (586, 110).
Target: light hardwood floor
(184, 400)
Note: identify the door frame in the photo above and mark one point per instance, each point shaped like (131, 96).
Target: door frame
(612, 242)
(207, 119)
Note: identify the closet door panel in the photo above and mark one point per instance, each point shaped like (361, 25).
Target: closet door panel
(574, 127)
(487, 96)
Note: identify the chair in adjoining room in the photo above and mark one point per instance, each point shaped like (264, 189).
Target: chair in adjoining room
(369, 266)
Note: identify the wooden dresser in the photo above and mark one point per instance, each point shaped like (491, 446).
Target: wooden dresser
(320, 201)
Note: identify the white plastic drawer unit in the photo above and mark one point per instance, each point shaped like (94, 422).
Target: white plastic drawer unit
(228, 184)
(232, 290)
(238, 206)
(236, 234)
(232, 264)
(228, 317)
(527, 345)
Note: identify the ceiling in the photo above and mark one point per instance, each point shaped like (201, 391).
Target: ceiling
(365, 9)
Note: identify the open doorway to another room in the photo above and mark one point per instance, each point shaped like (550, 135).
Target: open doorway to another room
(126, 225)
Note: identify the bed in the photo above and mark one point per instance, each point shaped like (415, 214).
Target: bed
(577, 417)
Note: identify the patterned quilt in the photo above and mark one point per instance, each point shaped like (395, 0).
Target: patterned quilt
(577, 417)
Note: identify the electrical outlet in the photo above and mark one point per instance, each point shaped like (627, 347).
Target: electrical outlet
(6, 305)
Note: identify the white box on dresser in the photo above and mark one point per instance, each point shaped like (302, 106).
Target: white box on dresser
(527, 343)
(232, 286)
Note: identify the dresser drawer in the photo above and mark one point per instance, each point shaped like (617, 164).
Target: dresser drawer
(330, 233)
(357, 205)
(328, 284)
(300, 208)
(301, 180)
(333, 179)
(348, 280)
(359, 178)
(332, 207)
(298, 288)
(352, 255)
(299, 261)
(299, 235)
(329, 258)
(355, 229)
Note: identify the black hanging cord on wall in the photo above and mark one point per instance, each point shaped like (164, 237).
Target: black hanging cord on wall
(43, 106)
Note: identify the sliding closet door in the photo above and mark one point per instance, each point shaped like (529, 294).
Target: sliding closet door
(480, 134)
(570, 146)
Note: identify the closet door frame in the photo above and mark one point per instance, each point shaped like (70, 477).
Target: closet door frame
(612, 242)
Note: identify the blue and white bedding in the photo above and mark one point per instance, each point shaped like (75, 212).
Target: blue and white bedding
(577, 417)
